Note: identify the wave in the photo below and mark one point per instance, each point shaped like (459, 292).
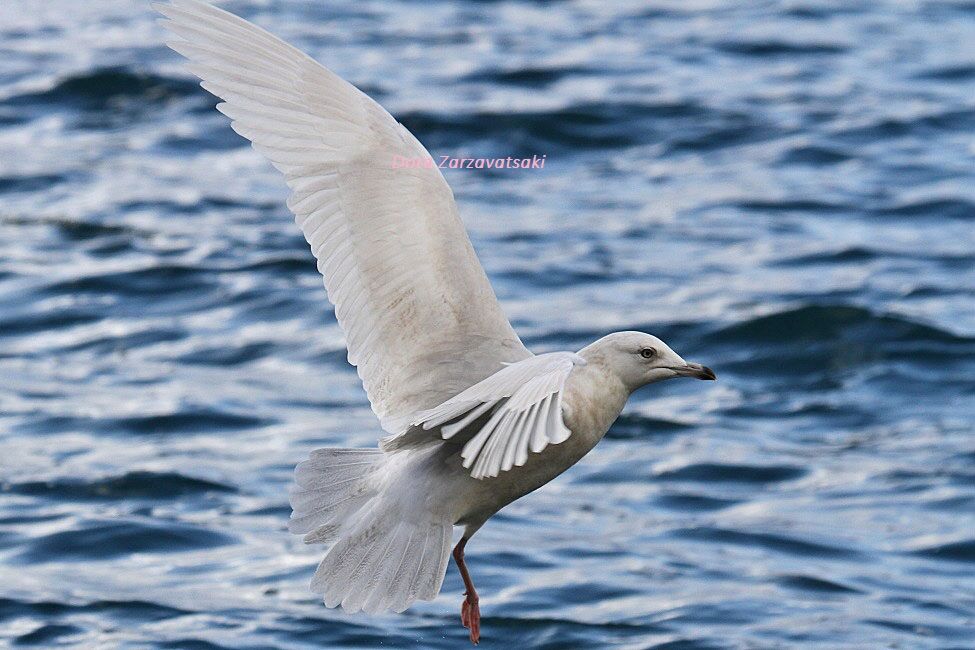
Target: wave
(693, 502)
(959, 503)
(632, 426)
(109, 539)
(201, 420)
(585, 125)
(556, 277)
(766, 48)
(532, 76)
(948, 73)
(717, 130)
(842, 256)
(155, 281)
(120, 344)
(727, 473)
(857, 254)
(47, 634)
(815, 585)
(833, 321)
(560, 338)
(9, 117)
(816, 155)
(949, 208)
(29, 183)
(770, 541)
(962, 551)
(27, 324)
(229, 354)
(791, 205)
(920, 126)
(106, 88)
(72, 229)
(188, 421)
(131, 485)
(196, 207)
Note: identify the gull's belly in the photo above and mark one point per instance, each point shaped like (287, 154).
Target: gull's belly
(481, 498)
(478, 499)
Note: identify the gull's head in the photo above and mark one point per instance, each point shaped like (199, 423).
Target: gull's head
(639, 359)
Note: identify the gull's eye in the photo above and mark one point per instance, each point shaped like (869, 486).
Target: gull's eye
(648, 353)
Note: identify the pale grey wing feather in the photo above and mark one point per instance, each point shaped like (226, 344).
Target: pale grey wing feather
(525, 402)
(421, 320)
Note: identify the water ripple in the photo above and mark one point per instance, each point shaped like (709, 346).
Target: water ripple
(108, 539)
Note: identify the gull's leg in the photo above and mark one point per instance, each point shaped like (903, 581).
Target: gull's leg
(470, 613)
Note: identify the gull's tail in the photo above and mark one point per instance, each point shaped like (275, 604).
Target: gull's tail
(387, 551)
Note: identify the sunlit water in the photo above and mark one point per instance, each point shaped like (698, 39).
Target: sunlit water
(784, 191)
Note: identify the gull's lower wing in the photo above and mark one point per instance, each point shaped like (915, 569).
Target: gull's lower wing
(524, 400)
(420, 317)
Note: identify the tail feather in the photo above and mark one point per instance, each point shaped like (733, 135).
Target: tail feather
(363, 584)
(374, 588)
(399, 587)
(385, 553)
(329, 487)
(382, 599)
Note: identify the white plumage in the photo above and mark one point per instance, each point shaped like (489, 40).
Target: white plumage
(475, 419)
(397, 262)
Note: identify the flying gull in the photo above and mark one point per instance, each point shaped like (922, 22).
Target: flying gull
(474, 419)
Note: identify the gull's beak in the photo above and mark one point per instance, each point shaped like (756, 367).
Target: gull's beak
(696, 370)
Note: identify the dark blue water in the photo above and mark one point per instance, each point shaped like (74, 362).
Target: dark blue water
(784, 191)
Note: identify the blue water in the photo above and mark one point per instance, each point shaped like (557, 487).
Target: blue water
(784, 191)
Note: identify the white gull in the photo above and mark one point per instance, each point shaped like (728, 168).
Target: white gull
(475, 420)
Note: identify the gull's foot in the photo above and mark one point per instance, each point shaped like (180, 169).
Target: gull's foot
(470, 616)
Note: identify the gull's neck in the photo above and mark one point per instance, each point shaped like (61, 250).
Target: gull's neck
(594, 397)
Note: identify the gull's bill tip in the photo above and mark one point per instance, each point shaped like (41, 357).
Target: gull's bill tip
(697, 371)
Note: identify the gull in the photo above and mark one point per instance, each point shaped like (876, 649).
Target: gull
(474, 419)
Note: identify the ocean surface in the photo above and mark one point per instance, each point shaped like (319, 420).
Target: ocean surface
(784, 191)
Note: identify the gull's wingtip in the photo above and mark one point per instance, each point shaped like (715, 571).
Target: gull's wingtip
(168, 10)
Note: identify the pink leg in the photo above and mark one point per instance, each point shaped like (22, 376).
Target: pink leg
(470, 613)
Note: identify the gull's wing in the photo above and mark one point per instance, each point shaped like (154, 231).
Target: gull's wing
(526, 398)
(421, 320)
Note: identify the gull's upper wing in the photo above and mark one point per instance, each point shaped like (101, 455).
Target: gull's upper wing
(421, 320)
(526, 399)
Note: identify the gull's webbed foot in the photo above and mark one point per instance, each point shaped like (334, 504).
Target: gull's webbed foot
(470, 616)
